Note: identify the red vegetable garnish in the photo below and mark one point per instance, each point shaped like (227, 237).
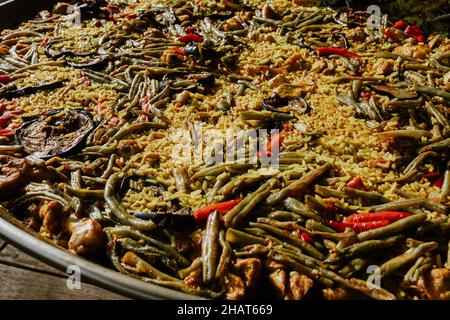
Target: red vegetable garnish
(179, 51)
(358, 226)
(306, 237)
(326, 51)
(6, 133)
(223, 207)
(356, 183)
(190, 29)
(435, 178)
(409, 30)
(376, 216)
(6, 118)
(131, 16)
(274, 142)
(5, 79)
(190, 37)
(415, 32)
(366, 95)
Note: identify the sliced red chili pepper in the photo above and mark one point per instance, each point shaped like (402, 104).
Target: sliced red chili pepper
(358, 226)
(3, 105)
(439, 181)
(377, 216)
(306, 237)
(326, 51)
(356, 183)
(179, 51)
(400, 25)
(190, 29)
(223, 207)
(130, 16)
(435, 178)
(431, 175)
(190, 37)
(6, 133)
(5, 119)
(366, 95)
(415, 32)
(5, 79)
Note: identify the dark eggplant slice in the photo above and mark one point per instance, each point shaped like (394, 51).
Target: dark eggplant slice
(57, 133)
(168, 217)
(25, 91)
(275, 104)
(93, 9)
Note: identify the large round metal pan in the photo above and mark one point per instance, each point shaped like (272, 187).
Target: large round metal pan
(30, 242)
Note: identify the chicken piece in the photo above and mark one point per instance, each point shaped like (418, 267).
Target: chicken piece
(86, 236)
(356, 34)
(434, 285)
(250, 270)
(299, 286)
(235, 287)
(127, 148)
(278, 279)
(383, 66)
(419, 51)
(14, 173)
(53, 216)
(269, 13)
(318, 66)
(61, 8)
(272, 265)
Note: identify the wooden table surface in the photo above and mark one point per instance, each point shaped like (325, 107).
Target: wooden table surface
(23, 277)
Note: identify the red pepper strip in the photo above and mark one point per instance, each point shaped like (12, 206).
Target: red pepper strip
(5, 119)
(190, 29)
(390, 216)
(366, 95)
(272, 144)
(5, 79)
(358, 226)
(6, 133)
(356, 183)
(415, 32)
(5, 104)
(131, 16)
(223, 207)
(326, 51)
(190, 37)
(306, 237)
(435, 178)
(179, 51)
(400, 25)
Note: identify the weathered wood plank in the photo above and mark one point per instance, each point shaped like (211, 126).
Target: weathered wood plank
(16, 283)
(23, 277)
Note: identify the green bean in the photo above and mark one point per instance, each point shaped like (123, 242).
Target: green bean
(329, 192)
(239, 212)
(405, 258)
(210, 247)
(118, 209)
(12, 148)
(135, 127)
(303, 245)
(285, 216)
(132, 245)
(369, 246)
(433, 111)
(393, 228)
(110, 167)
(444, 144)
(243, 181)
(428, 204)
(419, 159)
(126, 231)
(352, 267)
(409, 274)
(134, 85)
(297, 207)
(37, 195)
(399, 204)
(289, 225)
(195, 265)
(432, 91)
(84, 194)
(297, 187)
(239, 237)
(369, 195)
(221, 167)
(225, 257)
(416, 134)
